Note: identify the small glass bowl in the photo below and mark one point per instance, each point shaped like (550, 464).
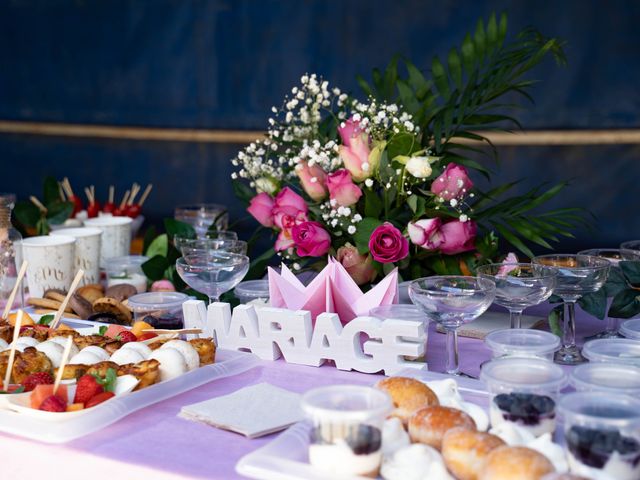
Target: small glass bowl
(159, 309)
(602, 434)
(606, 377)
(127, 269)
(524, 391)
(522, 342)
(252, 290)
(631, 328)
(615, 350)
(346, 435)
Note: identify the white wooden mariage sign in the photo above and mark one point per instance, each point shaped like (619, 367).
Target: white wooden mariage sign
(271, 333)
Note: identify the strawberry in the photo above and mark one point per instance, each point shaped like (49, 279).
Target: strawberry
(99, 398)
(39, 378)
(87, 387)
(53, 403)
(126, 337)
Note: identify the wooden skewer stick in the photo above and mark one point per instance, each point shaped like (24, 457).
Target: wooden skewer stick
(167, 331)
(38, 204)
(135, 188)
(124, 199)
(159, 338)
(112, 192)
(12, 352)
(68, 184)
(12, 297)
(66, 188)
(145, 194)
(63, 306)
(63, 362)
(87, 192)
(61, 192)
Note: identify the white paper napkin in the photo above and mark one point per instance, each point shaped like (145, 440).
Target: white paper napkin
(251, 411)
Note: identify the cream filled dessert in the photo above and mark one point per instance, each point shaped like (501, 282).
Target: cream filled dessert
(534, 412)
(415, 462)
(394, 436)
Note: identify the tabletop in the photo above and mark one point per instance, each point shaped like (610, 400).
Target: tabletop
(157, 443)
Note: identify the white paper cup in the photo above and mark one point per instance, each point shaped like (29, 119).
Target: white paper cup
(51, 262)
(116, 236)
(87, 251)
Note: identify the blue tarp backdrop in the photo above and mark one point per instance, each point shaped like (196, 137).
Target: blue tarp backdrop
(222, 64)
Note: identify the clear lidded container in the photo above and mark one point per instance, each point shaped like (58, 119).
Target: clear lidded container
(616, 350)
(606, 377)
(524, 391)
(602, 434)
(522, 342)
(346, 434)
(127, 269)
(252, 290)
(631, 328)
(159, 309)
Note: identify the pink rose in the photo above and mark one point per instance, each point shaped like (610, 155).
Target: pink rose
(354, 150)
(360, 267)
(289, 198)
(261, 207)
(426, 233)
(458, 237)
(289, 209)
(313, 180)
(162, 286)
(452, 183)
(310, 239)
(387, 244)
(508, 265)
(342, 189)
(284, 241)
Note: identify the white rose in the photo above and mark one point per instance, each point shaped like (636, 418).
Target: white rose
(266, 185)
(419, 167)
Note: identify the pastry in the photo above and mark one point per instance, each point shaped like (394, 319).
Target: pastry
(54, 295)
(121, 291)
(465, 451)
(114, 307)
(429, 425)
(206, 350)
(508, 463)
(148, 372)
(47, 303)
(91, 292)
(408, 396)
(81, 306)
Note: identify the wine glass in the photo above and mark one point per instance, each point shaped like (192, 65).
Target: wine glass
(202, 215)
(213, 273)
(578, 275)
(615, 256)
(519, 285)
(452, 301)
(203, 245)
(630, 245)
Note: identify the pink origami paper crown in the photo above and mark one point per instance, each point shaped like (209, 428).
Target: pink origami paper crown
(333, 290)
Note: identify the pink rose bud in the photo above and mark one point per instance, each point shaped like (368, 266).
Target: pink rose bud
(162, 286)
(342, 189)
(452, 183)
(261, 207)
(310, 239)
(387, 244)
(508, 265)
(458, 237)
(289, 198)
(355, 150)
(426, 233)
(313, 180)
(360, 267)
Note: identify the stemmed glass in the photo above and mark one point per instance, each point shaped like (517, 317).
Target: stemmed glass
(519, 285)
(213, 273)
(202, 215)
(615, 256)
(452, 301)
(630, 245)
(203, 245)
(578, 275)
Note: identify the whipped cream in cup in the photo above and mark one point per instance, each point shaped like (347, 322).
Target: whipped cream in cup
(602, 434)
(523, 391)
(347, 423)
(127, 269)
(522, 342)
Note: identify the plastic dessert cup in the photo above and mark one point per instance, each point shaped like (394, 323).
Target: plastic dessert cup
(522, 342)
(606, 377)
(524, 391)
(159, 309)
(127, 269)
(631, 329)
(346, 434)
(616, 350)
(252, 290)
(602, 434)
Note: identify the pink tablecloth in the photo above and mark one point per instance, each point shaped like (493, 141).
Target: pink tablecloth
(154, 443)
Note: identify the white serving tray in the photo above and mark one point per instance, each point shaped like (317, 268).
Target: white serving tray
(286, 457)
(228, 363)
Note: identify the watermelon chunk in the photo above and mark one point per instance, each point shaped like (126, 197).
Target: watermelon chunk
(114, 330)
(43, 391)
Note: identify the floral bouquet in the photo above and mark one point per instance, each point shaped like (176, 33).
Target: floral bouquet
(388, 181)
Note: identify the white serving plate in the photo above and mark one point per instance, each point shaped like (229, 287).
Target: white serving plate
(286, 457)
(228, 363)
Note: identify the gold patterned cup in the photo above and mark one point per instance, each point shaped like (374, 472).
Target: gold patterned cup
(51, 263)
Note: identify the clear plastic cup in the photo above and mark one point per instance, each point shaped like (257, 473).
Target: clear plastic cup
(403, 293)
(606, 377)
(252, 290)
(159, 309)
(346, 438)
(127, 269)
(616, 350)
(522, 342)
(631, 328)
(524, 391)
(602, 434)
